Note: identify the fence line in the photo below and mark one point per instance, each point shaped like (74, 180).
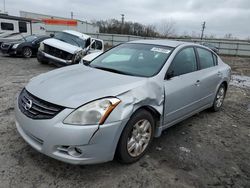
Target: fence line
(226, 47)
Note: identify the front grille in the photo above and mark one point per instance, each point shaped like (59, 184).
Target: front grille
(57, 52)
(36, 108)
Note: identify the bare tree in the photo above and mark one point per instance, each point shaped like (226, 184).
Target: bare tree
(166, 28)
(131, 28)
(185, 34)
(195, 34)
(212, 36)
(228, 36)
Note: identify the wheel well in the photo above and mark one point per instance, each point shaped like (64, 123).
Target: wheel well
(153, 111)
(225, 84)
(156, 115)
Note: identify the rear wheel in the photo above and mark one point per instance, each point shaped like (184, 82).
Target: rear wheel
(219, 98)
(27, 52)
(136, 137)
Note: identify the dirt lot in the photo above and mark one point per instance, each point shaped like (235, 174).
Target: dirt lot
(207, 150)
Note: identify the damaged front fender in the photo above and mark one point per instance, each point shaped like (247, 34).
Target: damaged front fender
(148, 95)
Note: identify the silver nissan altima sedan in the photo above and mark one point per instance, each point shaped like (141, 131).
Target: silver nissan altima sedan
(117, 103)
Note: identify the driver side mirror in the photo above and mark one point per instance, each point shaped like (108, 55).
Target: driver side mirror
(169, 75)
(52, 35)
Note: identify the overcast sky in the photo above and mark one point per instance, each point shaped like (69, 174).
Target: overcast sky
(221, 16)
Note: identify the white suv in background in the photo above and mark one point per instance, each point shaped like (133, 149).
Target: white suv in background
(68, 47)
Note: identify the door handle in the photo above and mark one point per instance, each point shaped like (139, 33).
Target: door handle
(197, 83)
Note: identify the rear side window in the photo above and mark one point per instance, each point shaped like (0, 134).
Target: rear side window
(22, 27)
(183, 63)
(7, 26)
(215, 59)
(206, 58)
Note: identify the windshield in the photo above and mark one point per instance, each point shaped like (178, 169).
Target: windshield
(30, 38)
(144, 60)
(71, 39)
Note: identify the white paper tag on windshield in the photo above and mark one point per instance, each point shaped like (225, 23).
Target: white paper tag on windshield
(161, 50)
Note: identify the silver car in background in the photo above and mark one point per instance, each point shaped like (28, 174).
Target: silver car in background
(115, 105)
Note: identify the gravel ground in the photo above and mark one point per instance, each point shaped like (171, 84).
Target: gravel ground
(206, 150)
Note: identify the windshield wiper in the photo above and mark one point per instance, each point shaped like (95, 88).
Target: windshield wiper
(112, 70)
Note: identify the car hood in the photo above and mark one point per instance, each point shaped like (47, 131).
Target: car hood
(14, 42)
(91, 56)
(62, 45)
(76, 85)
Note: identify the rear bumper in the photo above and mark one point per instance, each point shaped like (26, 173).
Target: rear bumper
(44, 57)
(55, 139)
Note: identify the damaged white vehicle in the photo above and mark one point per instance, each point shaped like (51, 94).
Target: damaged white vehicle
(68, 47)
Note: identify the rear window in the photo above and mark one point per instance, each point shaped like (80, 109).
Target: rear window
(7, 26)
(206, 58)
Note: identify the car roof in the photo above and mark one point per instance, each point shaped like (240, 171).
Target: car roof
(78, 34)
(162, 42)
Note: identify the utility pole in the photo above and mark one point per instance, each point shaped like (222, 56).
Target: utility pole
(122, 23)
(4, 6)
(122, 18)
(203, 26)
(72, 15)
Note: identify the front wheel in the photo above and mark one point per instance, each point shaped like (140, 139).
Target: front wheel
(219, 98)
(136, 137)
(27, 52)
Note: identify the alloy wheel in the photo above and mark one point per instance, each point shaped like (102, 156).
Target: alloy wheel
(220, 97)
(139, 138)
(27, 52)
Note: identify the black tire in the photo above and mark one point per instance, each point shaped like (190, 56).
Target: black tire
(42, 61)
(217, 105)
(122, 152)
(27, 52)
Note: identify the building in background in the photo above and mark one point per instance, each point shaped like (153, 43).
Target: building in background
(54, 23)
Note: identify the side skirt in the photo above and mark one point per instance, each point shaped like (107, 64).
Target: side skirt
(159, 130)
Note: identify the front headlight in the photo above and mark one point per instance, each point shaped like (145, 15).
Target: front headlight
(93, 113)
(15, 46)
(41, 47)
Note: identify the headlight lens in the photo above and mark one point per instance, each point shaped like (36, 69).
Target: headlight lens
(15, 46)
(93, 113)
(41, 47)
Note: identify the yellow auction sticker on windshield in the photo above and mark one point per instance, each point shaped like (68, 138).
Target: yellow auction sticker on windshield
(161, 50)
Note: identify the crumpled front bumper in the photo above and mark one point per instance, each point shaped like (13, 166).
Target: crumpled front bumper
(53, 138)
(44, 57)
